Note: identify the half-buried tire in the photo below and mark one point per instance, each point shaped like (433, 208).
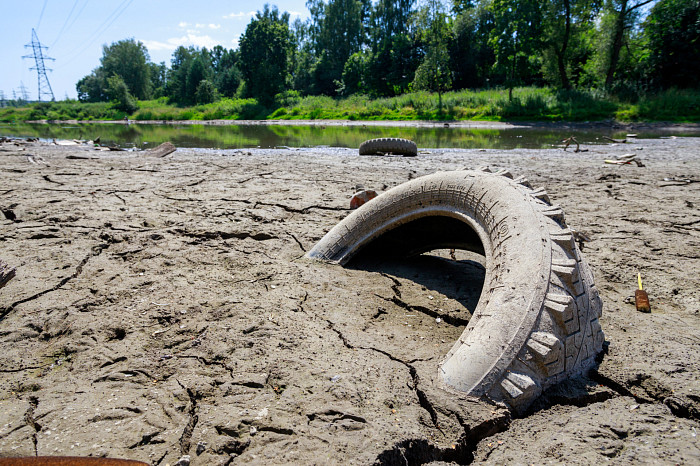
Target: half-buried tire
(536, 322)
(394, 146)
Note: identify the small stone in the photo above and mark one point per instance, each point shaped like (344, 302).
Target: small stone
(183, 461)
(201, 446)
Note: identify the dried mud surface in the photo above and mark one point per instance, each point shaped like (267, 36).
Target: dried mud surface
(162, 307)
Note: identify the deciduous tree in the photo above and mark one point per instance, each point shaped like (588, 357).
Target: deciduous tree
(624, 16)
(516, 39)
(672, 30)
(341, 34)
(264, 54)
(393, 58)
(129, 60)
(434, 72)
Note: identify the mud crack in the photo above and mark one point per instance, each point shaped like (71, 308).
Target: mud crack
(301, 246)
(302, 301)
(421, 451)
(96, 251)
(303, 210)
(147, 439)
(186, 437)
(224, 234)
(396, 286)
(31, 422)
(646, 389)
(27, 368)
(396, 299)
(422, 397)
(448, 319)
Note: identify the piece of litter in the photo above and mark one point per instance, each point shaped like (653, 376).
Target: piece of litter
(335, 378)
(362, 197)
(438, 320)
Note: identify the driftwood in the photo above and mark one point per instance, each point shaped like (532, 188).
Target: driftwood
(162, 150)
(572, 140)
(7, 273)
(626, 159)
(617, 141)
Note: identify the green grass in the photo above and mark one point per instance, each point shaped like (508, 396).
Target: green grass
(528, 103)
(62, 110)
(671, 105)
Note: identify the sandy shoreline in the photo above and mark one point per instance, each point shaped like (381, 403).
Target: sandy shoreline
(162, 308)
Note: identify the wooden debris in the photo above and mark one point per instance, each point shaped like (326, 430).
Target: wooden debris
(572, 140)
(162, 150)
(626, 159)
(7, 273)
(616, 141)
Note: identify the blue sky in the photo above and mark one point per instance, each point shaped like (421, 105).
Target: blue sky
(76, 30)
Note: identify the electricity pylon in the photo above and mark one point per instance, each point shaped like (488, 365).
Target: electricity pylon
(39, 57)
(23, 92)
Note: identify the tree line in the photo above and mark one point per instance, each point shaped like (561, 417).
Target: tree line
(390, 47)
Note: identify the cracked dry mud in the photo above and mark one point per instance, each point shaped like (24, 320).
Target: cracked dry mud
(163, 307)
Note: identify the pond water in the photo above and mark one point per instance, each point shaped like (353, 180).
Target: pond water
(271, 136)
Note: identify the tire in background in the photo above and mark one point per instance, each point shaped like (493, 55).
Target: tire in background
(383, 146)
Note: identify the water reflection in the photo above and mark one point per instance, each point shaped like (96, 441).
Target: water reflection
(270, 136)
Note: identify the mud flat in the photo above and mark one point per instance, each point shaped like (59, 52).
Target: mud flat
(162, 307)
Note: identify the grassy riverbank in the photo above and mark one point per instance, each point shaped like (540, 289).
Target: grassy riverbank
(534, 104)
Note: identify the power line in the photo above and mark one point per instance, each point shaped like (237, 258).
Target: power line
(38, 56)
(65, 22)
(95, 35)
(78, 15)
(41, 15)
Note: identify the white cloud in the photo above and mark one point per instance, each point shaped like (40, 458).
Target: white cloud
(154, 45)
(186, 40)
(239, 15)
(199, 26)
(294, 13)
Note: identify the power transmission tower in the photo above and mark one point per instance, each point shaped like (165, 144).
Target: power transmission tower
(38, 56)
(23, 92)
